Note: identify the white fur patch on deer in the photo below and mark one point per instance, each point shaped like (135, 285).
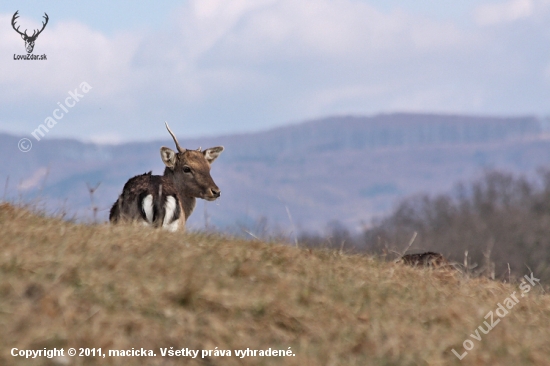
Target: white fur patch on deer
(147, 207)
(170, 209)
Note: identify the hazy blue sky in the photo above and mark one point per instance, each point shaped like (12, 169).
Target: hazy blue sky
(219, 66)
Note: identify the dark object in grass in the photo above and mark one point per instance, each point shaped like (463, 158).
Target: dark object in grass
(427, 259)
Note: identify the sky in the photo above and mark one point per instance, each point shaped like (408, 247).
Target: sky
(213, 67)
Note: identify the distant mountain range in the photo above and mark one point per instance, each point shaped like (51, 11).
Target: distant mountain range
(294, 178)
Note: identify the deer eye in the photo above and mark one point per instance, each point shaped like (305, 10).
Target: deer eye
(186, 169)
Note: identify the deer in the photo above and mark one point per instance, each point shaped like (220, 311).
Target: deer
(166, 201)
(29, 40)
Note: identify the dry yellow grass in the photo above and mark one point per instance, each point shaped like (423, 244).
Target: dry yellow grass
(67, 285)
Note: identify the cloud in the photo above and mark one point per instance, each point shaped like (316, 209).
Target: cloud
(510, 11)
(75, 53)
(289, 30)
(299, 48)
(34, 180)
(106, 139)
(232, 65)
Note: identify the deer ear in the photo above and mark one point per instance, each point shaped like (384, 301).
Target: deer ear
(212, 153)
(168, 157)
(23, 36)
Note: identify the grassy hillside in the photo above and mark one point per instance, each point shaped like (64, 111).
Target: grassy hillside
(116, 288)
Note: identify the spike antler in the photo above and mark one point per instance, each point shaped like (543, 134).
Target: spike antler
(180, 149)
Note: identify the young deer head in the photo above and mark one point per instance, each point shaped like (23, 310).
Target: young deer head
(168, 200)
(190, 169)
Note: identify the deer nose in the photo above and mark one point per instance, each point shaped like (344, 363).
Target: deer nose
(215, 192)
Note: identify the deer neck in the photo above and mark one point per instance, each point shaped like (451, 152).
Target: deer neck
(188, 205)
(187, 202)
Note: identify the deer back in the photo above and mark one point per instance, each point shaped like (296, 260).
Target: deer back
(152, 199)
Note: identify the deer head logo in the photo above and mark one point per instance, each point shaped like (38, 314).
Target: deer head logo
(29, 40)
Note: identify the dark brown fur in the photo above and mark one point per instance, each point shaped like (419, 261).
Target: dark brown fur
(427, 259)
(136, 189)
